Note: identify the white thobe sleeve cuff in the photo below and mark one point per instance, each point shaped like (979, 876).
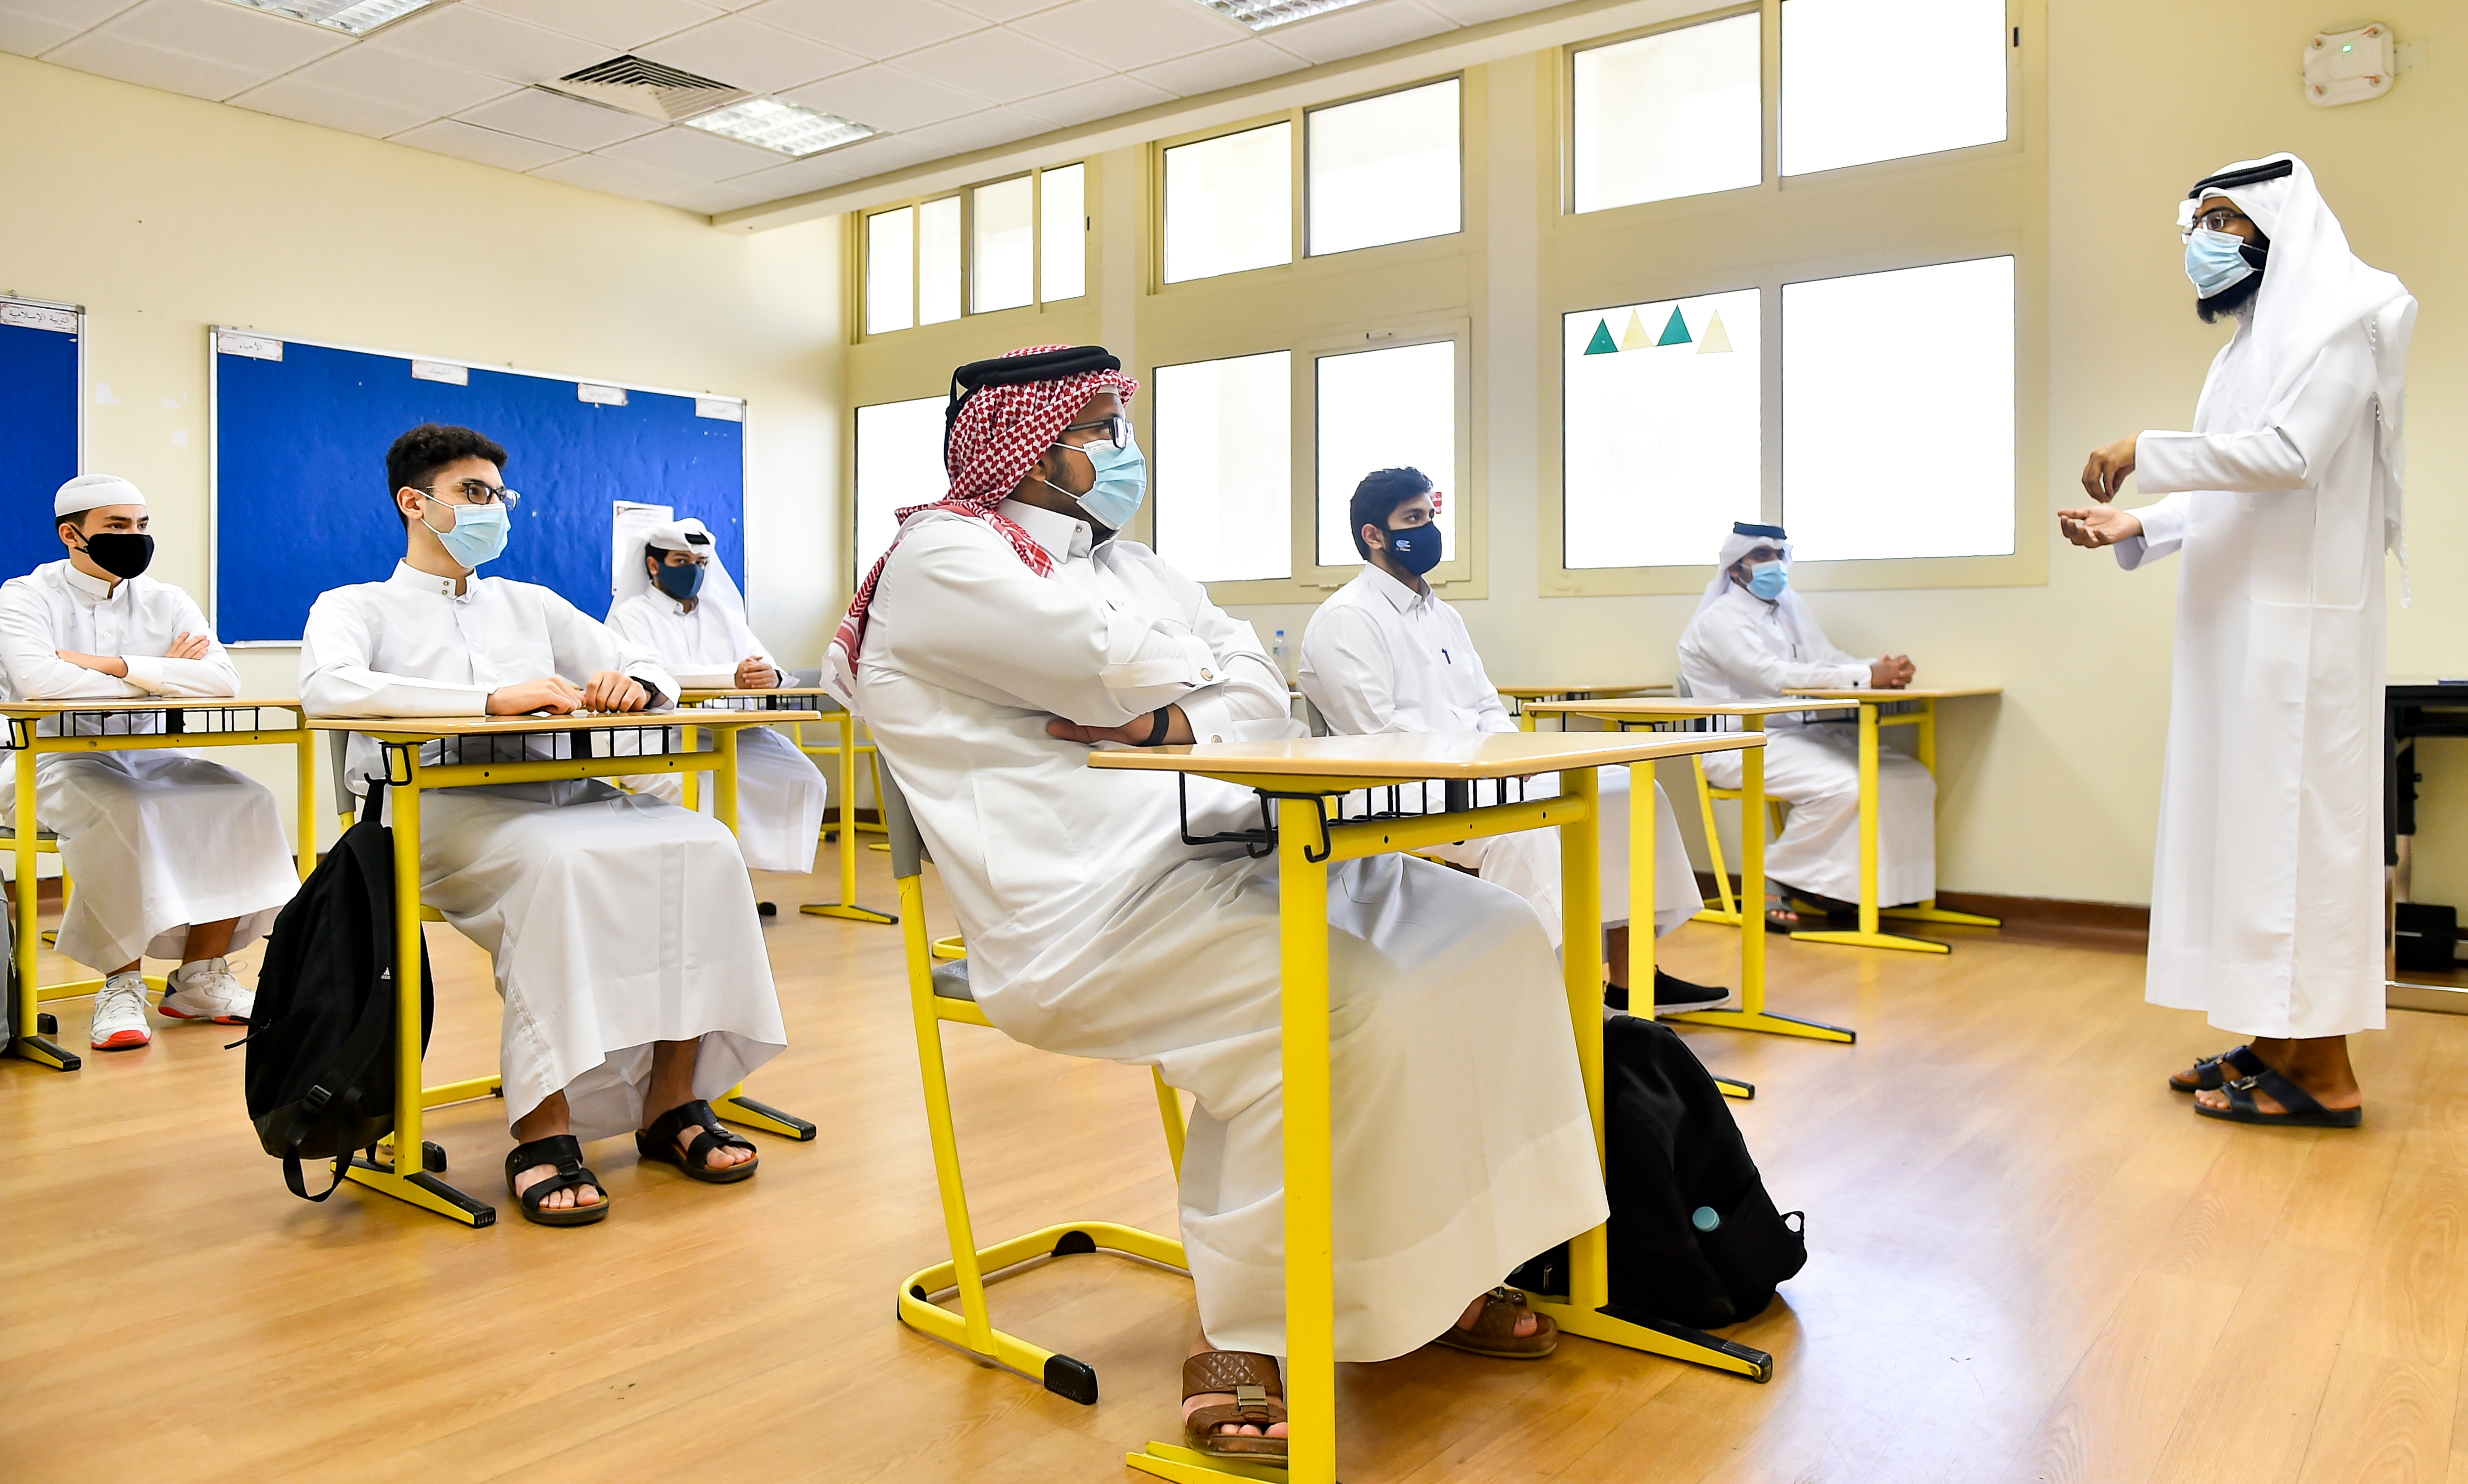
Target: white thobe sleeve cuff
(1211, 714)
(2163, 531)
(1140, 662)
(1855, 676)
(145, 671)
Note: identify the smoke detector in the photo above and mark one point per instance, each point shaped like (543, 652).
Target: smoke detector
(647, 89)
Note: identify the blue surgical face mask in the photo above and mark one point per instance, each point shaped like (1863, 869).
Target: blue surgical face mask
(477, 537)
(680, 582)
(1416, 548)
(1122, 481)
(2215, 261)
(1768, 580)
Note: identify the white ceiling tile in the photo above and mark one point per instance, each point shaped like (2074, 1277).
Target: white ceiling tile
(485, 146)
(1102, 98)
(403, 80)
(1000, 65)
(975, 131)
(874, 30)
(76, 13)
(557, 121)
(887, 98)
(292, 98)
(617, 177)
(1005, 9)
(712, 199)
(1227, 66)
(693, 153)
(174, 72)
(218, 31)
(799, 177)
(469, 37)
(1361, 30)
(619, 25)
(1128, 34)
(749, 55)
(1473, 12)
(32, 36)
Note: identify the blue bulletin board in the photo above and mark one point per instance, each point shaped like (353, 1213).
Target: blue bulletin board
(42, 426)
(300, 499)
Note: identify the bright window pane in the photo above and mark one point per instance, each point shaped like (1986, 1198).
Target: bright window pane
(1385, 169)
(1064, 263)
(1670, 115)
(1385, 409)
(1661, 430)
(899, 464)
(1004, 250)
(1877, 79)
(938, 261)
(1224, 506)
(890, 283)
(1230, 203)
(1919, 359)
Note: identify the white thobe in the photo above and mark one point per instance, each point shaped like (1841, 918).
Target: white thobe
(1379, 656)
(155, 842)
(2267, 893)
(616, 920)
(1741, 648)
(1461, 1142)
(780, 793)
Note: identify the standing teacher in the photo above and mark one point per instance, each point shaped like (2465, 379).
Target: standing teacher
(2267, 905)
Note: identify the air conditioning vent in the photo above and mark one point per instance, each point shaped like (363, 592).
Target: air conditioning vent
(648, 89)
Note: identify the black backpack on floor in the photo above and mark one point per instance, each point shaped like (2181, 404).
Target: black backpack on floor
(321, 1042)
(1694, 1238)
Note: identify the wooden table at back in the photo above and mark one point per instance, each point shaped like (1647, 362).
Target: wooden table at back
(1522, 696)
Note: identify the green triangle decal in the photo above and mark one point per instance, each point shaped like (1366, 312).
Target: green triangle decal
(1675, 331)
(1602, 344)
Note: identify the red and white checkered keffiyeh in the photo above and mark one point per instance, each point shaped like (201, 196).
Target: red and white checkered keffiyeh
(997, 437)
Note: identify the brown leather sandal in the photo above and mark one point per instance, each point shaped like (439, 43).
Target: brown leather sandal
(1495, 1330)
(1259, 1399)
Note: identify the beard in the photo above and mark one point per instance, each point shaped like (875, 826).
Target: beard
(2231, 300)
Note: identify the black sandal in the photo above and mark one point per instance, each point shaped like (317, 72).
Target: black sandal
(2207, 1076)
(566, 1153)
(2303, 1110)
(660, 1142)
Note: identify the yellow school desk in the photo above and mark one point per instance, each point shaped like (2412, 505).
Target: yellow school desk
(181, 722)
(1915, 708)
(1753, 1015)
(477, 750)
(808, 699)
(1306, 778)
(1522, 696)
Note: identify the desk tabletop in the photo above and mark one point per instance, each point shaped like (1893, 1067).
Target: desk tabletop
(1664, 708)
(695, 695)
(426, 727)
(23, 710)
(1860, 693)
(1537, 691)
(1407, 757)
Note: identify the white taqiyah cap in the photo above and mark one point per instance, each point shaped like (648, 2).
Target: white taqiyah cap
(87, 490)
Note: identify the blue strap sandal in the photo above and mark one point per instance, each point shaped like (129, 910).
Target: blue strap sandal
(2302, 1109)
(2208, 1075)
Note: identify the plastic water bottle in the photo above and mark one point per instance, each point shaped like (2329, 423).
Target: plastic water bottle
(1282, 653)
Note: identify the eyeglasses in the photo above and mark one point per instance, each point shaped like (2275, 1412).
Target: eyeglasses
(477, 492)
(1117, 432)
(2218, 220)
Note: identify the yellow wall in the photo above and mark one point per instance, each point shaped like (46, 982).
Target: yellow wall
(162, 214)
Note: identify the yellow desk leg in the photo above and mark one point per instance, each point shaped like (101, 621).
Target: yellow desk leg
(25, 1038)
(1868, 935)
(1753, 1015)
(419, 1186)
(846, 908)
(308, 801)
(734, 1106)
(1927, 911)
(1644, 825)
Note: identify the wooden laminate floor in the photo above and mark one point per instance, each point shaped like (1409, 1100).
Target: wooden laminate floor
(2030, 1262)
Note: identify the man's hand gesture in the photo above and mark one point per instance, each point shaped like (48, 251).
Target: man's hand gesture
(609, 691)
(754, 673)
(556, 694)
(1890, 672)
(2095, 526)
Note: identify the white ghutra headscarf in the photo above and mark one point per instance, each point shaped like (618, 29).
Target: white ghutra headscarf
(635, 526)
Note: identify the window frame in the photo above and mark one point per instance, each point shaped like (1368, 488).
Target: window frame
(861, 253)
(1769, 103)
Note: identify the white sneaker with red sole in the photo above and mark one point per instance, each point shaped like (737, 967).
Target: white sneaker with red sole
(120, 1015)
(207, 990)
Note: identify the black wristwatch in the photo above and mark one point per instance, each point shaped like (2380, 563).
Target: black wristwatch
(1163, 723)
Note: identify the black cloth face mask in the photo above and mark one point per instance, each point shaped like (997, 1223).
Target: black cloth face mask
(124, 554)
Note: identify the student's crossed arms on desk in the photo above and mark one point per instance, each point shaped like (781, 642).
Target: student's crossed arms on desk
(556, 694)
(183, 646)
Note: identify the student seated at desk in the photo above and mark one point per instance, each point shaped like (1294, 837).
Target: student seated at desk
(1006, 631)
(677, 606)
(172, 856)
(1753, 638)
(627, 951)
(1385, 655)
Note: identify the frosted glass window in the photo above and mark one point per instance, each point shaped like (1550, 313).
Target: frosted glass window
(1003, 246)
(1224, 461)
(1661, 430)
(1384, 409)
(890, 270)
(1062, 264)
(1878, 79)
(1919, 359)
(938, 261)
(1230, 203)
(899, 464)
(1670, 115)
(1385, 169)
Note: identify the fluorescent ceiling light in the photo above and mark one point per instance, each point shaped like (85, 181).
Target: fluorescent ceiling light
(352, 17)
(1261, 15)
(783, 127)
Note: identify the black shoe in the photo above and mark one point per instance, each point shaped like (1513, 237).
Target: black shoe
(766, 909)
(1672, 993)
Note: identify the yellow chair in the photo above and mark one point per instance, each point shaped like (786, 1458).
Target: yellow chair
(1729, 911)
(937, 992)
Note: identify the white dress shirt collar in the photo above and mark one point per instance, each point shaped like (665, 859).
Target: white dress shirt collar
(87, 585)
(1063, 536)
(411, 577)
(1402, 598)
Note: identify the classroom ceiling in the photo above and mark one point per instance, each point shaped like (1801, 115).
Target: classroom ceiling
(941, 78)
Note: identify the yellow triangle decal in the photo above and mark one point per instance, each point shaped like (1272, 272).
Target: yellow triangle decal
(1715, 341)
(1634, 337)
